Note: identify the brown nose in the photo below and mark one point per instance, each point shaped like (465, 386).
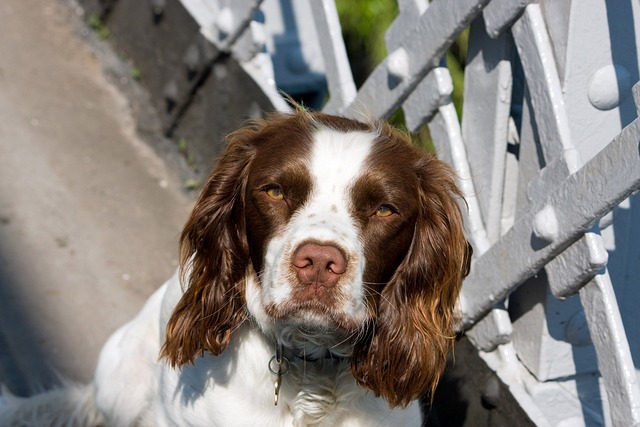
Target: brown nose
(319, 264)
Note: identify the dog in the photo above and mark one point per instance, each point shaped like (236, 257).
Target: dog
(319, 274)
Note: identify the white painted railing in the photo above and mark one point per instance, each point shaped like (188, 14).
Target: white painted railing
(547, 152)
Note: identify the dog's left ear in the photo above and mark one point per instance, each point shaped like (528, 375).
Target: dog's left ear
(403, 357)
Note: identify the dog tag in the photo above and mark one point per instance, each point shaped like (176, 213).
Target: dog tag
(283, 368)
(277, 388)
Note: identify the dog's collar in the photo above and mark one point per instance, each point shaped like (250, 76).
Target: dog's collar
(279, 365)
(328, 356)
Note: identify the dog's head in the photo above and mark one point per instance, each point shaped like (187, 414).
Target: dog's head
(331, 225)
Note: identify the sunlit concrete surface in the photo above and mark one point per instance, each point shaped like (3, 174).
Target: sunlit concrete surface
(89, 214)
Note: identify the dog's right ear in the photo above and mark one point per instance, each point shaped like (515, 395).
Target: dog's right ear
(213, 259)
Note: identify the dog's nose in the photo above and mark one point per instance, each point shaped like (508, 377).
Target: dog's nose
(317, 264)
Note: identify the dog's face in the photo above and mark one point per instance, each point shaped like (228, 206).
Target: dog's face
(322, 223)
(328, 223)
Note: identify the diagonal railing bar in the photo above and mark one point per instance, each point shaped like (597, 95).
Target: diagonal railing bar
(499, 15)
(610, 177)
(577, 265)
(612, 347)
(420, 51)
(536, 55)
(432, 92)
(222, 22)
(222, 26)
(410, 13)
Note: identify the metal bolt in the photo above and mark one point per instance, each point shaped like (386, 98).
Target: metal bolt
(398, 65)
(545, 224)
(609, 86)
(259, 36)
(224, 22)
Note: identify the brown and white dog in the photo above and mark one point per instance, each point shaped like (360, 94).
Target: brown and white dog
(320, 267)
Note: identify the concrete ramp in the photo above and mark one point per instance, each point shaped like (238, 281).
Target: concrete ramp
(89, 214)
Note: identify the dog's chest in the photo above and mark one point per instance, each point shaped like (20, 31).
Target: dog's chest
(320, 392)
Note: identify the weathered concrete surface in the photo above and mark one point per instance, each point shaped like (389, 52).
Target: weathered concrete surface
(89, 213)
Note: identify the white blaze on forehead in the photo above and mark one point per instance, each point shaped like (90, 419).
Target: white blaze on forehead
(337, 159)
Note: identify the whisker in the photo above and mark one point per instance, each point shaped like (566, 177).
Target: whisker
(382, 296)
(375, 283)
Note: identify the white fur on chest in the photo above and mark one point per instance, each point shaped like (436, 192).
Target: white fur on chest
(237, 388)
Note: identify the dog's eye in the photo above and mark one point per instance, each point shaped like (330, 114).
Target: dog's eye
(275, 192)
(384, 211)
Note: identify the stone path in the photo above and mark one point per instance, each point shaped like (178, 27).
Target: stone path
(89, 213)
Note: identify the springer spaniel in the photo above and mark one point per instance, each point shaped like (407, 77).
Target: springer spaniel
(319, 275)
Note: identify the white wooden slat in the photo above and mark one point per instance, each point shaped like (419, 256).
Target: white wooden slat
(612, 347)
(420, 50)
(495, 328)
(598, 57)
(410, 12)
(342, 89)
(636, 97)
(222, 21)
(536, 54)
(606, 180)
(511, 172)
(578, 264)
(485, 119)
(447, 139)
(499, 15)
(433, 92)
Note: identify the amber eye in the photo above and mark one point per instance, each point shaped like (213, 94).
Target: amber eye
(384, 211)
(275, 192)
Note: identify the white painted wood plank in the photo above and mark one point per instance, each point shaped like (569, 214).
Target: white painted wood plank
(420, 51)
(614, 357)
(493, 330)
(222, 21)
(536, 54)
(410, 12)
(607, 179)
(577, 265)
(500, 14)
(342, 89)
(447, 139)
(485, 119)
(433, 92)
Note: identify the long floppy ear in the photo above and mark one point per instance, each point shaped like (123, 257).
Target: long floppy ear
(213, 260)
(405, 353)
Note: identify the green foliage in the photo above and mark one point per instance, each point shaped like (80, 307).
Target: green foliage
(364, 23)
(98, 26)
(456, 59)
(136, 74)
(191, 184)
(183, 148)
